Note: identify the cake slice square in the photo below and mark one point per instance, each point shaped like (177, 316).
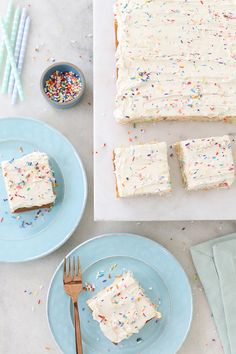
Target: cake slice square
(206, 163)
(142, 169)
(122, 308)
(29, 182)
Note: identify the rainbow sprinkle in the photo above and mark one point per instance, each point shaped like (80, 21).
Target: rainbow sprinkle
(63, 87)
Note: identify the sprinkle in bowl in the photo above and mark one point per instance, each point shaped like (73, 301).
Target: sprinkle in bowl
(63, 84)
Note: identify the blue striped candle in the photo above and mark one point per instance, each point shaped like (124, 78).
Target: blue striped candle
(13, 41)
(17, 48)
(21, 56)
(11, 58)
(8, 24)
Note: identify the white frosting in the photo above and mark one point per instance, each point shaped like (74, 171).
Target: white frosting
(175, 59)
(207, 163)
(142, 169)
(122, 308)
(29, 181)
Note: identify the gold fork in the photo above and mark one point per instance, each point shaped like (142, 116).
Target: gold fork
(73, 286)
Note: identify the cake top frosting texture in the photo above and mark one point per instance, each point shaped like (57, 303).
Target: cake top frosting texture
(142, 169)
(175, 59)
(122, 308)
(29, 181)
(207, 163)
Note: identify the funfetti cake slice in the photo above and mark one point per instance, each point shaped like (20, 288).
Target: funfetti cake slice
(206, 163)
(142, 169)
(175, 60)
(29, 182)
(122, 308)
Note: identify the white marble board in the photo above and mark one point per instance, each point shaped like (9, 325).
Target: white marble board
(108, 134)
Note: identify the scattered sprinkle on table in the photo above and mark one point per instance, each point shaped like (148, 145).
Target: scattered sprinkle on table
(63, 87)
(113, 266)
(89, 287)
(100, 274)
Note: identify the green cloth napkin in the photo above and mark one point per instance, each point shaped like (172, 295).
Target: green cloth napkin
(225, 260)
(216, 266)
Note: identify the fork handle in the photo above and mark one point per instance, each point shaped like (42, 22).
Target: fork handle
(78, 340)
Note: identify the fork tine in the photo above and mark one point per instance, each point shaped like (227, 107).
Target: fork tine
(79, 272)
(74, 267)
(69, 266)
(64, 273)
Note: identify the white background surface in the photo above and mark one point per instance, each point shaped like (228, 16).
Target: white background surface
(180, 205)
(23, 331)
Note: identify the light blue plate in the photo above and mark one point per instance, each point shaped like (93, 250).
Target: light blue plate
(30, 235)
(162, 278)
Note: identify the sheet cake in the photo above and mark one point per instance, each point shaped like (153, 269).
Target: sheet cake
(176, 60)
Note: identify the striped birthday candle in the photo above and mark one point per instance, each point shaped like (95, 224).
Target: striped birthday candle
(12, 59)
(13, 41)
(17, 48)
(8, 25)
(22, 56)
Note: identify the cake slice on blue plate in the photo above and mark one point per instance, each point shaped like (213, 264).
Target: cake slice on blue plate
(29, 182)
(122, 308)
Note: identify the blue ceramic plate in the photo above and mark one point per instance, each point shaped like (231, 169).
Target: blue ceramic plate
(34, 234)
(162, 278)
